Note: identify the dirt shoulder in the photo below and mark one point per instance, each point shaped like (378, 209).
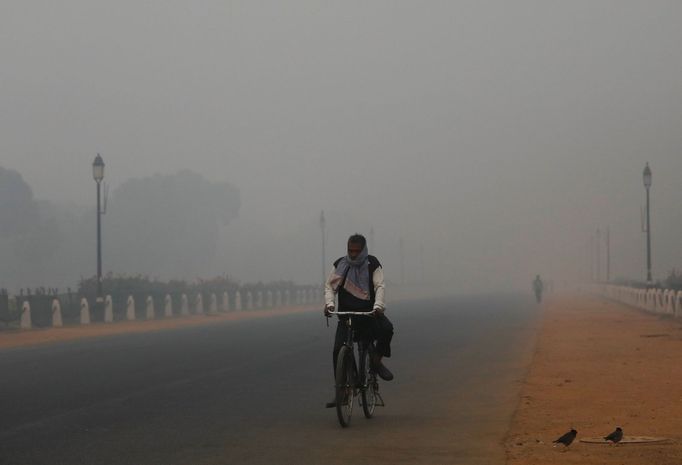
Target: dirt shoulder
(598, 365)
(32, 337)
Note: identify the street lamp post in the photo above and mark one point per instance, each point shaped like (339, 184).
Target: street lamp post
(98, 174)
(324, 260)
(598, 253)
(608, 254)
(647, 185)
(402, 261)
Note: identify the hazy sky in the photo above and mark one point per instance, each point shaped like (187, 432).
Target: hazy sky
(496, 135)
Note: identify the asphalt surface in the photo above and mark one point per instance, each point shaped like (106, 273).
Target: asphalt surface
(253, 392)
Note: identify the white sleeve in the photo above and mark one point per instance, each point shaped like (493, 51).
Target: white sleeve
(379, 289)
(329, 293)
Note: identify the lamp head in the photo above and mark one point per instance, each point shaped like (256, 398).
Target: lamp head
(647, 176)
(98, 168)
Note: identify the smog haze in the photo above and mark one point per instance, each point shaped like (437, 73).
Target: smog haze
(491, 138)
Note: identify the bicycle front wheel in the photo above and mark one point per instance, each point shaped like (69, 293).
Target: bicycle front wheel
(369, 386)
(344, 385)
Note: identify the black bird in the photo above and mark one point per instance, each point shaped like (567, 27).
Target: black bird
(616, 436)
(567, 438)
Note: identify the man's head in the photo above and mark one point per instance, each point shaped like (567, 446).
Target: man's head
(356, 243)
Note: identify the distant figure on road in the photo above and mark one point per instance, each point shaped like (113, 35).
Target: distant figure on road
(537, 288)
(358, 281)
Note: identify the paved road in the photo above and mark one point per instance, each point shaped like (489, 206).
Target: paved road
(252, 392)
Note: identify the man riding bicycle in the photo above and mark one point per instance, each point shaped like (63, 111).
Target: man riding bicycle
(358, 281)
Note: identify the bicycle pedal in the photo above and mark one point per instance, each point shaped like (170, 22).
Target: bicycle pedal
(380, 400)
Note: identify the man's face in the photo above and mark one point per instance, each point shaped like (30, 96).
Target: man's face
(354, 250)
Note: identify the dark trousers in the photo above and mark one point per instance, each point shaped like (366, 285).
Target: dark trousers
(379, 329)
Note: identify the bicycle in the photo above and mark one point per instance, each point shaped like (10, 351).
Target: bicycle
(351, 379)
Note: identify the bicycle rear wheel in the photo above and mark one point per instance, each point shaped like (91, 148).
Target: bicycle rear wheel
(344, 386)
(369, 385)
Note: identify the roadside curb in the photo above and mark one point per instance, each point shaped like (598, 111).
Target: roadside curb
(46, 336)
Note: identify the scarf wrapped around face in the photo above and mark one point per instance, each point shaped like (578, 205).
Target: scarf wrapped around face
(357, 275)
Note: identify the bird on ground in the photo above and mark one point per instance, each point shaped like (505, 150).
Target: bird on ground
(615, 436)
(567, 438)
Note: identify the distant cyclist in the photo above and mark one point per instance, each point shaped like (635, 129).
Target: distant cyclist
(358, 281)
(538, 287)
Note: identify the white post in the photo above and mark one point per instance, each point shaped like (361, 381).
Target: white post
(168, 306)
(130, 308)
(238, 301)
(671, 306)
(184, 305)
(150, 307)
(213, 305)
(666, 301)
(657, 301)
(26, 315)
(226, 302)
(85, 312)
(57, 314)
(268, 299)
(108, 309)
(199, 304)
(287, 297)
(259, 299)
(649, 299)
(249, 300)
(641, 299)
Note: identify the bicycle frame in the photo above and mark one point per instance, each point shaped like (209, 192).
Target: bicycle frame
(363, 381)
(350, 337)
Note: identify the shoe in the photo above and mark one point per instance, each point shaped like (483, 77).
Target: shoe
(383, 372)
(332, 404)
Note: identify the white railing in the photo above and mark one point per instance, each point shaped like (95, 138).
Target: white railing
(243, 300)
(660, 301)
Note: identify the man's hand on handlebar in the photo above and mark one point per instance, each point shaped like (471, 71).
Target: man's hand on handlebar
(327, 310)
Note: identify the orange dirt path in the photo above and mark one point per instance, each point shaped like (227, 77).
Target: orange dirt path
(597, 365)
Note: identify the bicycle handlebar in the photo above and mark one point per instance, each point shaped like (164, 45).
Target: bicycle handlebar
(369, 313)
